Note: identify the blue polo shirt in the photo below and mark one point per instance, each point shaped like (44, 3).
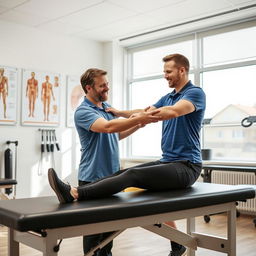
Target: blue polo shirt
(181, 135)
(99, 151)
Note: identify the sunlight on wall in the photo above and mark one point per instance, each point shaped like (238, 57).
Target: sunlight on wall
(66, 169)
(39, 180)
(66, 150)
(66, 140)
(78, 151)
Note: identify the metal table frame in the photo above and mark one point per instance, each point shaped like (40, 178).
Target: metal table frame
(153, 223)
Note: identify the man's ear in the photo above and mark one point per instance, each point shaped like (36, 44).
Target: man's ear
(88, 88)
(183, 70)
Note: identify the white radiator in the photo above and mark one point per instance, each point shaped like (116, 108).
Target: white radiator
(234, 178)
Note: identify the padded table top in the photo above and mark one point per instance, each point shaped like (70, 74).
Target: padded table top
(46, 212)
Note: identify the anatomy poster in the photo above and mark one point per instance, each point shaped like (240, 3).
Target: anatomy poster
(8, 95)
(75, 96)
(40, 98)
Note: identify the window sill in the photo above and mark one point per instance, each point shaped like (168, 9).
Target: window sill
(229, 162)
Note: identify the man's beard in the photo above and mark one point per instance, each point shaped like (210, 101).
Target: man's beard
(101, 98)
(174, 82)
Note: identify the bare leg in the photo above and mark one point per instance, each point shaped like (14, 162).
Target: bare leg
(48, 109)
(44, 102)
(4, 102)
(74, 192)
(171, 224)
(175, 246)
(29, 105)
(33, 105)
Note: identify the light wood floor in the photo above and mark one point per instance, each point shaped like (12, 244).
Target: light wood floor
(139, 242)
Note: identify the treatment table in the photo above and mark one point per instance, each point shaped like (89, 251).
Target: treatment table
(40, 222)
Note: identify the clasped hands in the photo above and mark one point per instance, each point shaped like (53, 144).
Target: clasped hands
(145, 116)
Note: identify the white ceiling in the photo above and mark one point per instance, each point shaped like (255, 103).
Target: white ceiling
(105, 20)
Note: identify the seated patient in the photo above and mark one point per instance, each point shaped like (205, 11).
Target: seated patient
(161, 176)
(182, 112)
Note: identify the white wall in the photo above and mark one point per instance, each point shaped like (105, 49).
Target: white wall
(114, 61)
(114, 64)
(23, 47)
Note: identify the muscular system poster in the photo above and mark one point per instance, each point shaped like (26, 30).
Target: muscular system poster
(8, 95)
(40, 98)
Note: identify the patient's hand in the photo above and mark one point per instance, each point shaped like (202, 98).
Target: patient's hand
(147, 117)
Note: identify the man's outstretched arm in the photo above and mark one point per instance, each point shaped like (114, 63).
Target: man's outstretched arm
(120, 125)
(128, 113)
(181, 108)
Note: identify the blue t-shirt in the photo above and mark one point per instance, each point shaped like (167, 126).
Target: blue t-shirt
(99, 151)
(181, 135)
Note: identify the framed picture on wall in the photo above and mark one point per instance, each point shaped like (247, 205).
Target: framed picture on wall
(75, 96)
(8, 95)
(40, 98)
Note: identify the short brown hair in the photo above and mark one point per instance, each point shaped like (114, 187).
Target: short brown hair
(87, 78)
(180, 60)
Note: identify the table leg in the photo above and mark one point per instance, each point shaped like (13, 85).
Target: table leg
(13, 246)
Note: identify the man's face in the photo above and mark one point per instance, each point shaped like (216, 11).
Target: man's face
(172, 74)
(100, 90)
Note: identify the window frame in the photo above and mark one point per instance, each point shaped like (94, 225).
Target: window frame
(197, 69)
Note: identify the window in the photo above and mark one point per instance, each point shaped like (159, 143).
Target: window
(143, 94)
(237, 134)
(146, 87)
(231, 86)
(149, 62)
(228, 79)
(230, 47)
(223, 63)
